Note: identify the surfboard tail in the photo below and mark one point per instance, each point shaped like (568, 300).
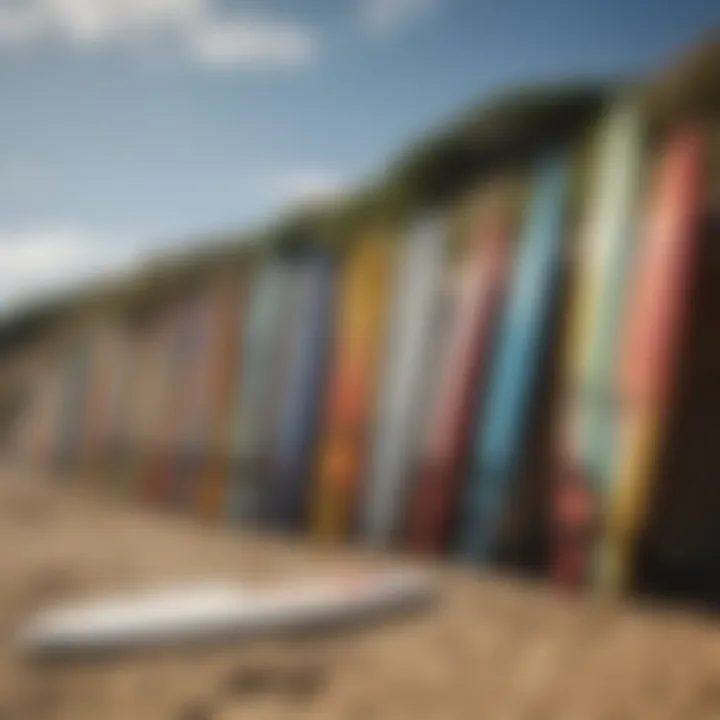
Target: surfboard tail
(575, 526)
(480, 531)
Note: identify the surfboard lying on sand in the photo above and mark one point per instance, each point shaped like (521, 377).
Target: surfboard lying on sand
(657, 312)
(501, 433)
(222, 611)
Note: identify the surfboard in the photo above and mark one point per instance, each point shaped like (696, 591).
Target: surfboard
(647, 365)
(72, 405)
(129, 450)
(105, 388)
(359, 333)
(92, 408)
(176, 365)
(150, 392)
(168, 617)
(677, 552)
(305, 393)
(162, 408)
(191, 438)
(121, 408)
(481, 289)
(604, 253)
(39, 422)
(227, 301)
(258, 364)
(500, 435)
(118, 406)
(399, 417)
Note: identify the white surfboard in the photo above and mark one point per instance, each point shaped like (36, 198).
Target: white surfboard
(220, 611)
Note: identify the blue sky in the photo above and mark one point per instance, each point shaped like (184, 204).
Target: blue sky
(130, 125)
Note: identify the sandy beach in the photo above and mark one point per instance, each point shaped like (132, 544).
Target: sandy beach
(489, 648)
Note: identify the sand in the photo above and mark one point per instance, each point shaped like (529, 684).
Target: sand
(490, 648)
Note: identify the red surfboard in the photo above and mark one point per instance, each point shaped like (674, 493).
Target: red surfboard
(649, 354)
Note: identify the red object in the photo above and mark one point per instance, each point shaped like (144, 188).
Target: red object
(661, 285)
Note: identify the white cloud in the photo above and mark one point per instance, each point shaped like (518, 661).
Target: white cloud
(384, 17)
(254, 41)
(308, 186)
(37, 263)
(196, 26)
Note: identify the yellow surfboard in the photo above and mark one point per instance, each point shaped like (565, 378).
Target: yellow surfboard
(359, 339)
(606, 239)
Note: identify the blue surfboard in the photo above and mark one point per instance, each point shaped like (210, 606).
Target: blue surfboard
(500, 436)
(300, 409)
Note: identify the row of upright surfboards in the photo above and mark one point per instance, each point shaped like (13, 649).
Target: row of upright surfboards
(504, 397)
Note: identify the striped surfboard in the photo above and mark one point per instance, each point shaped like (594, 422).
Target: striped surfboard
(604, 255)
(520, 346)
(646, 372)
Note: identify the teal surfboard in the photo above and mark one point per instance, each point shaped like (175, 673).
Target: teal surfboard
(500, 438)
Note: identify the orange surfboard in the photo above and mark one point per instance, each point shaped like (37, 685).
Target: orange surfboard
(359, 337)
